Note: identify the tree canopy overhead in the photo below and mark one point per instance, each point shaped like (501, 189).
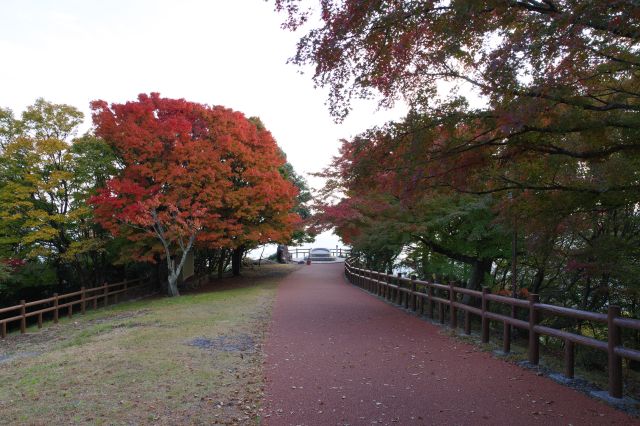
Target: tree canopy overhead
(523, 118)
(559, 79)
(568, 52)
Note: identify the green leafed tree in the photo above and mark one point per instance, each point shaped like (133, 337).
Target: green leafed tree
(46, 176)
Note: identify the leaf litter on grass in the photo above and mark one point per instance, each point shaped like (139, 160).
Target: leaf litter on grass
(108, 369)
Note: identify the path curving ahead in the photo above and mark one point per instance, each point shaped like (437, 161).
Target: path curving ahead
(336, 355)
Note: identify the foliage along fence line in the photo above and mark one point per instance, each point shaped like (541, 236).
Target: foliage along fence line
(53, 305)
(420, 296)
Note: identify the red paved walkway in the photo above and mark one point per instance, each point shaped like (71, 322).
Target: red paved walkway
(337, 355)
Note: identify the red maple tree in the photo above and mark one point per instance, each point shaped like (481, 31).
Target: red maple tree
(192, 174)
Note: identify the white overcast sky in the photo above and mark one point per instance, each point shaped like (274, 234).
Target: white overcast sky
(219, 52)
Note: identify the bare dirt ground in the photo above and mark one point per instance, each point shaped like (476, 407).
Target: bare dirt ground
(196, 359)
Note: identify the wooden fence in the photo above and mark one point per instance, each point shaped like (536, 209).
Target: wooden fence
(420, 296)
(84, 297)
(304, 252)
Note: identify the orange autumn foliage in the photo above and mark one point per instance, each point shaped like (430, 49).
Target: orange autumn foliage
(192, 173)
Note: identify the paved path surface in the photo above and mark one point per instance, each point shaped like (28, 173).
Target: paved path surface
(337, 355)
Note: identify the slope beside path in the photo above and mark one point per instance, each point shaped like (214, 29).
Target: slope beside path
(336, 355)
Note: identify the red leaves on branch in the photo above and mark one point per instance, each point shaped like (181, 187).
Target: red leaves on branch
(192, 172)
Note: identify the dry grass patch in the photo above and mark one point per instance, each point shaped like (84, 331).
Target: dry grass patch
(195, 359)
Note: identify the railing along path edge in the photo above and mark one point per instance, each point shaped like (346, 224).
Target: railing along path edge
(419, 296)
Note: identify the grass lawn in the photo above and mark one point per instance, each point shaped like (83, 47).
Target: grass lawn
(195, 359)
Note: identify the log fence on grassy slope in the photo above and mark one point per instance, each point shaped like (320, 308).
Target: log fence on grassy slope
(420, 296)
(92, 297)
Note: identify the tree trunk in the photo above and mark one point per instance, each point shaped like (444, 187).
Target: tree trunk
(174, 270)
(283, 253)
(537, 281)
(480, 268)
(172, 288)
(222, 262)
(236, 260)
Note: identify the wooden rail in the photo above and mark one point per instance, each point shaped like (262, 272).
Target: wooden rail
(336, 252)
(56, 303)
(420, 296)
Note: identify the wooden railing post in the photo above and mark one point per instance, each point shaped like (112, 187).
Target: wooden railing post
(615, 361)
(414, 297)
(453, 314)
(393, 296)
(106, 295)
(23, 317)
(569, 359)
(534, 340)
(398, 292)
(365, 278)
(83, 298)
(430, 306)
(407, 297)
(385, 286)
(40, 320)
(506, 337)
(3, 330)
(393, 292)
(485, 320)
(55, 308)
(467, 323)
